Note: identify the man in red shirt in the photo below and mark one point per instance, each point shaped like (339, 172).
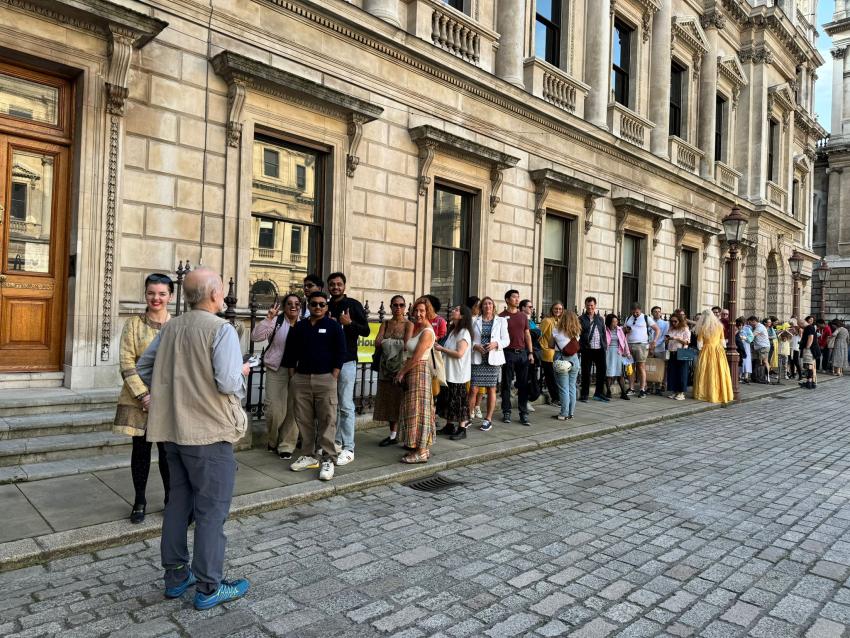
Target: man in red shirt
(824, 333)
(518, 357)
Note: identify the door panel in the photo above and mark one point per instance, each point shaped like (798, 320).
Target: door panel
(33, 199)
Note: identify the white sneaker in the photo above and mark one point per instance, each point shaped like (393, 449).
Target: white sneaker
(531, 408)
(680, 396)
(344, 458)
(305, 463)
(327, 471)
(477, 414)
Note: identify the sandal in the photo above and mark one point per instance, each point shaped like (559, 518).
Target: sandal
(419, 457)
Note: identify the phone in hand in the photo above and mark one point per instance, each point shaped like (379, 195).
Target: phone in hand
(253, 361)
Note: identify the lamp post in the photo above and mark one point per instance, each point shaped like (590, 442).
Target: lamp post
(822, 271)
(733, 227)
(796, 263)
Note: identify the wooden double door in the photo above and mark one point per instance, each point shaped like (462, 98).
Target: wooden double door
(35, 137)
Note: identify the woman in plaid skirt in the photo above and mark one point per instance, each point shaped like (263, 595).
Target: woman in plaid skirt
(417, 421)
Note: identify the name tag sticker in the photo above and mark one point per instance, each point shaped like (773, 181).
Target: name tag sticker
(322, 331)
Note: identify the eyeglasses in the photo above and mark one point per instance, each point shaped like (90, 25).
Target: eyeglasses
(398, 305)
(317, 304)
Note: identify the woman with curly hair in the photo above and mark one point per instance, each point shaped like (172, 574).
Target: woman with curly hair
(712, 379)
(417, 421)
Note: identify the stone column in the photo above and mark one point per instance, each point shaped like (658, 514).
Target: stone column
(384, 9)
(804, 86)
(598, 61)
(659, 96)
(788, 141)
(511, 23)
(833, 214)
(711, 23)
(837, 90)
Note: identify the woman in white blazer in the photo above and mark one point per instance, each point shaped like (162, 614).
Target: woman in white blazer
(489, 339)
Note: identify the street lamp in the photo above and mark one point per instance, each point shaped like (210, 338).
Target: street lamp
(796, 262)
(822, 272)
(734, 225)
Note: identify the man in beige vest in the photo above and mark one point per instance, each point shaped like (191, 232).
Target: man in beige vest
(196, 378)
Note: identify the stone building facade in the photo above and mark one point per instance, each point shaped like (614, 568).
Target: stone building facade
(571, 148)
(832, 219)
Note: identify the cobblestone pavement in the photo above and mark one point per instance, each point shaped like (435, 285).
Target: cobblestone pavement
(731, 523)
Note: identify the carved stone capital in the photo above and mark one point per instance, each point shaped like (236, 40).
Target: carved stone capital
(236, 93)
(713, 19)
(838, 53)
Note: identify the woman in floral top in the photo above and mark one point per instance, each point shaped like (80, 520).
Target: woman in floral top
(131, 416)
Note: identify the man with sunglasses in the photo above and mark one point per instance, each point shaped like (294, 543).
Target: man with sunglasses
(351, 316)
(312, 283)
(315, 351)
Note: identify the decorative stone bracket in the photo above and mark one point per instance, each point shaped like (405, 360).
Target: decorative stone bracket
(545, 179)
(430, 140)
(707, 230)
(628, 205)
(242, 73)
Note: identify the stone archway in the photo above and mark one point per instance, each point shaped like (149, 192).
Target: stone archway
(772, 302)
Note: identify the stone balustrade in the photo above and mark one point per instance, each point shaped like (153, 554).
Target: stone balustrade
(685, 155)
(555, 86)
(453, 31)
(628, 125)
(726, 177)
(776, 195)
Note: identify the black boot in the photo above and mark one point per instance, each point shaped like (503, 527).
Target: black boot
(138, 514)
(459, 435)
(448, 429)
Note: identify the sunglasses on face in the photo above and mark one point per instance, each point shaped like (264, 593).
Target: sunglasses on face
(317, 304)
(158, 278)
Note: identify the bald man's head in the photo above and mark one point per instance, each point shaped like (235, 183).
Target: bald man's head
(202, 285)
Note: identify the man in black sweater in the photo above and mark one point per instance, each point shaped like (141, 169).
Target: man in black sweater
(351, 316)
(594, 343)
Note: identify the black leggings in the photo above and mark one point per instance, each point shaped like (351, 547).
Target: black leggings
(140, 467)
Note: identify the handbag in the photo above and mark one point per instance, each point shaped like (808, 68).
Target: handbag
(562, 366)
(571, 348)
(439, 367)
(686, 354)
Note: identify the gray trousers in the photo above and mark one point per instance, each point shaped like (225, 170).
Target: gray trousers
(202, 478)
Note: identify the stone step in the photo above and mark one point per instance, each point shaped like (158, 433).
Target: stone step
(39, 401)
(60, 447)
(68, 467)
(36, 425)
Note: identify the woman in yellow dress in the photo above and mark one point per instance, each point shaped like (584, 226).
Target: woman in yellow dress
(132, 414)
(713, 381)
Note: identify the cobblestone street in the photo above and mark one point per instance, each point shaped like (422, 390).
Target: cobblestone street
(730, 523)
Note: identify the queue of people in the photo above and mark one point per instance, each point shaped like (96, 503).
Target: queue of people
(185, 380)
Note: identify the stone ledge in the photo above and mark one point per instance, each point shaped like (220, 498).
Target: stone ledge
(31, 551)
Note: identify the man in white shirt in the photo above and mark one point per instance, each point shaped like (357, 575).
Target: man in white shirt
(637, 329)
(660, 351)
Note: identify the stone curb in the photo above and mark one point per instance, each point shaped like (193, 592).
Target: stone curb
(31, 551)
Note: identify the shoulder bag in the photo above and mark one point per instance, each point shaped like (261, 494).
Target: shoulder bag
(686, 354)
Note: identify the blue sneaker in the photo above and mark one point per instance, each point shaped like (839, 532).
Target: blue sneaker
(179, 590)
(227, 590)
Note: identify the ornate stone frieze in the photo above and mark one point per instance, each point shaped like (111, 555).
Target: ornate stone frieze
(546, 179)
(628, 205)
(242, 73)
(713, 19)
(430, 140)
(757, 55)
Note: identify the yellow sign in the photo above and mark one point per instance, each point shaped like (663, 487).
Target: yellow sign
(366, 345)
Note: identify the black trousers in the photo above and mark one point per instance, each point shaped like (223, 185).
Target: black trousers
(596, 358)
(825, 359)
(794, 365)
(516, 367)
(551, 381)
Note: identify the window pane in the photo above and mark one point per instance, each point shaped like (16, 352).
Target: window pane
(449, 275)
(287, 216)
(540, 40)
(544, 8)
(31, 212)
(555, 285)
(554, 240)
(629, 248)
(28, 100)
(451, 219)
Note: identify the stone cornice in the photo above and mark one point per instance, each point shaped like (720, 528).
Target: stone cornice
(782, 95)
(546, 179)
(836, 27)
(242, 73)
(627, 205)
(431, 140)
(102, 16)
(689, 31)
(731, 69)
(706, 229)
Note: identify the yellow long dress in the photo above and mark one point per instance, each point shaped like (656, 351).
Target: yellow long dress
(713, 382)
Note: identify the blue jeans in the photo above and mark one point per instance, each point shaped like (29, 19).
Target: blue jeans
(345, 411)
(567, 384)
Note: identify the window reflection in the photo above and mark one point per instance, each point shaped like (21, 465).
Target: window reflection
(25, 100)
(30, 212)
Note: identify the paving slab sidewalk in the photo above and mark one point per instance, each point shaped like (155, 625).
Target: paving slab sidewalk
(65, 515)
